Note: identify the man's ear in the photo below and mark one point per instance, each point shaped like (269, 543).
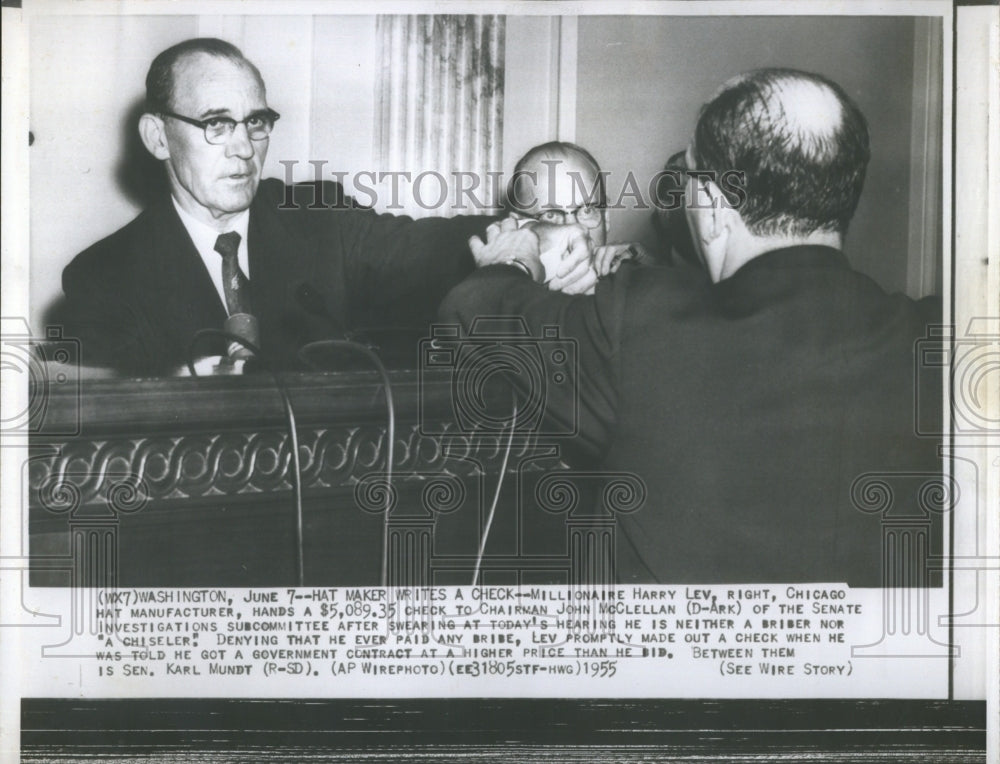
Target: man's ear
(715, 230)
(154, 137)
(718, 215)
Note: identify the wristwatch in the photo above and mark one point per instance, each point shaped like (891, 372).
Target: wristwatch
(517, 263)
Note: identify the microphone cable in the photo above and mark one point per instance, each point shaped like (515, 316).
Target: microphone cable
(496, 495)
(293, 432)
(390, 406)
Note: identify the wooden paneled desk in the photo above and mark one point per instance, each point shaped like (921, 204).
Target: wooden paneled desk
(187, 482)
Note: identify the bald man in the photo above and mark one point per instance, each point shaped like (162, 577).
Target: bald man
(748, 402)
(559, 184)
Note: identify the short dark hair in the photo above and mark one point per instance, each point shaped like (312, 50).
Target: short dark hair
(800, 176)
(553, 149)
(160, 77)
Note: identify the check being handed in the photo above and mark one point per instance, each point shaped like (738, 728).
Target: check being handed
(561, 256)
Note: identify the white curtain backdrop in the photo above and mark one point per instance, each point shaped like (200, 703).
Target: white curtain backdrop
(439, 109)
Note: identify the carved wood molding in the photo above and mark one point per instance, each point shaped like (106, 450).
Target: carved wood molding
(108, 472)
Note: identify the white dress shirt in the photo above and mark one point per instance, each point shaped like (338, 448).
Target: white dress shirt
(204, 238)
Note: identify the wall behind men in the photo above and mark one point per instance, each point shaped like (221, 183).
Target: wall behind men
(641, 81)
(86, 75)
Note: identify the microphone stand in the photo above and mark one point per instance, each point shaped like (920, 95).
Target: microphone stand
(293, 433)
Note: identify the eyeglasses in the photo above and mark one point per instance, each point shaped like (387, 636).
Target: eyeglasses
(587, 215)
(219, 130)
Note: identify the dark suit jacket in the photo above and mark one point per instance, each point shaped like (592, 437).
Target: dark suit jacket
(136, 298)
(748, 408)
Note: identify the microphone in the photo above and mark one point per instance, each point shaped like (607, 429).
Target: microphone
(245, 327)
(312, 302)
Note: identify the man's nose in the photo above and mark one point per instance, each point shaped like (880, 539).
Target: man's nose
(239, 143)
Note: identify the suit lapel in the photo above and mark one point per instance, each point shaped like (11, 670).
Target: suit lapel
(188, 300)
(282, 258)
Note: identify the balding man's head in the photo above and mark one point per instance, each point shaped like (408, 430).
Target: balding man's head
(801, 142)
(207, 119)
(161, 79)
(560, 182)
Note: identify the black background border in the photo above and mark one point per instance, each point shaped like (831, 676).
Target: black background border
(494, 730)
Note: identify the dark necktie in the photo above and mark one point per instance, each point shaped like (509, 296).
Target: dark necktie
(235, 284)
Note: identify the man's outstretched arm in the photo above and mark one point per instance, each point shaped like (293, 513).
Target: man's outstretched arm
(508, 287)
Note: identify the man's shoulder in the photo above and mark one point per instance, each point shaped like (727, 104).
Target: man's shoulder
(666, 287)
(859, 298)
(122, 250)
(307, 210)
(275, 194)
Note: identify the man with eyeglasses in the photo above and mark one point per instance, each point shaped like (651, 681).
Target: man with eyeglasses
(225, 245)
(558, 189)
(751, 403)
